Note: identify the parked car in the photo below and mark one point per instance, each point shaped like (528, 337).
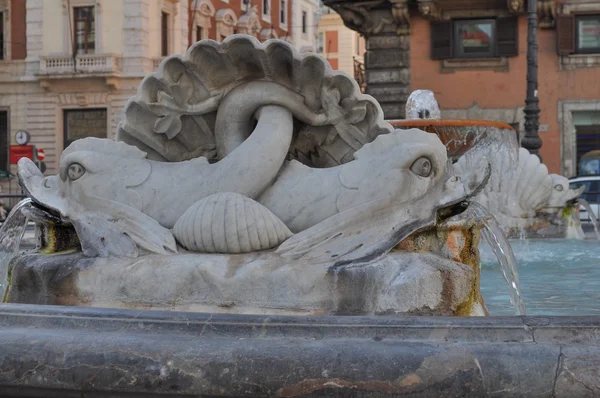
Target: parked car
(591, 194)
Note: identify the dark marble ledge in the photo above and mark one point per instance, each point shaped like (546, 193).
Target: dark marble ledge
(425, 328)
(92, 352)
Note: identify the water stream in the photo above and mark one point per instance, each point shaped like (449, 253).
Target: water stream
(591, 214)
(494, 236)
(11, 234)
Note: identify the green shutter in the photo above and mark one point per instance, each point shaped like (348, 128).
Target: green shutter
(441, 39)
(507, 37)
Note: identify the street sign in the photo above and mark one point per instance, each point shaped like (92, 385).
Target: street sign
(20, 151)
(41, 155)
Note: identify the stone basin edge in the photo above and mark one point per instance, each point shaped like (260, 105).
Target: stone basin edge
(64, 351)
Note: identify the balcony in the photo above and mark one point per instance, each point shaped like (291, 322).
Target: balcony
(86, 65)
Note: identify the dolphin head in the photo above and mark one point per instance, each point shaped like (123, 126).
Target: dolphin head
(93, 193)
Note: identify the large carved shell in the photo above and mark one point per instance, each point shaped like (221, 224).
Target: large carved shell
(518, 190)
(154, 122)
(229, 223)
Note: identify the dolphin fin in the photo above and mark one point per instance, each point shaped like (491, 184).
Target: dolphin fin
(113, 228)
(358, 235)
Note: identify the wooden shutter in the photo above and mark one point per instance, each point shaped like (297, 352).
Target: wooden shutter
(507, 37)
(441, 39)
(565, 34)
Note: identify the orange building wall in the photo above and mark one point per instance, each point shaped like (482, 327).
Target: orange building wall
(506, 89)
(331, 41)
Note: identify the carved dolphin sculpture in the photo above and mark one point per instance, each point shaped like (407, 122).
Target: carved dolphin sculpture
(116, 199)
(109, 191)
(409, 190)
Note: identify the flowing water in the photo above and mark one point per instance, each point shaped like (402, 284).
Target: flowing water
(558, 277)
(591, 215)
(11, 234)
(497, 241)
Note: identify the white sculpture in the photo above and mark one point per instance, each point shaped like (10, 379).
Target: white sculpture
(517, 193)
(421, 104)
(237, 146)
(519, 187)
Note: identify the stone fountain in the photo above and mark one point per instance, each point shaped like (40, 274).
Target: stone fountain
(250, 178)
(525, 199)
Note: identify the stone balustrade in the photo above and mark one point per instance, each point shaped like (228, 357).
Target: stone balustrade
(88, 63)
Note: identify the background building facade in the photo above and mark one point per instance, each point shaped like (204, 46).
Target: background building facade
(343, 47)
(68, 67)
(472, 55)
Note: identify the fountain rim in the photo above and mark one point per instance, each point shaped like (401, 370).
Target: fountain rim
(448, 123)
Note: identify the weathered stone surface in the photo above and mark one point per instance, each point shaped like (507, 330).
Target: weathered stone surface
(398, 283)
(389, 93)
(388, 42)
(69, 352)
(389, 58)
(393, 110)
(375, 76)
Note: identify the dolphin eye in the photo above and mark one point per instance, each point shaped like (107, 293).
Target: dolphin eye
(75, 171)
(558, 187)
(422, 167)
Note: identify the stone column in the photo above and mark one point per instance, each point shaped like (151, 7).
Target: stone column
(386, 27)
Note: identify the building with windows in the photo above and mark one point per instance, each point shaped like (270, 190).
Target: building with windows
(343, 47)
(217, 19)
(472, 55)
(304, 23)
(68, 67)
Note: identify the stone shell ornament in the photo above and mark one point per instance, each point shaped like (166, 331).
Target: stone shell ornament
(229, 223)
(182, 111)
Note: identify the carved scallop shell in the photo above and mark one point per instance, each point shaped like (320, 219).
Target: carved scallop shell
(517, 190)
(156, 121)
(229, 223)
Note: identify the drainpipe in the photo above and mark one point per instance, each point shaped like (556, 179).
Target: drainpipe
(532, 141)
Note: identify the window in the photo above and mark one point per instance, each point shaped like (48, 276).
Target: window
(578, 34)
(304, 16)
(587, 39)
(1, 39)
(82, 123)
(474, 38)
(266, 9)
(282, 12)
(199, 33)
(164, 34)
(85, 30)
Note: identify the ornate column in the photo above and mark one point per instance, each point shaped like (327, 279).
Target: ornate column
(386, 26)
